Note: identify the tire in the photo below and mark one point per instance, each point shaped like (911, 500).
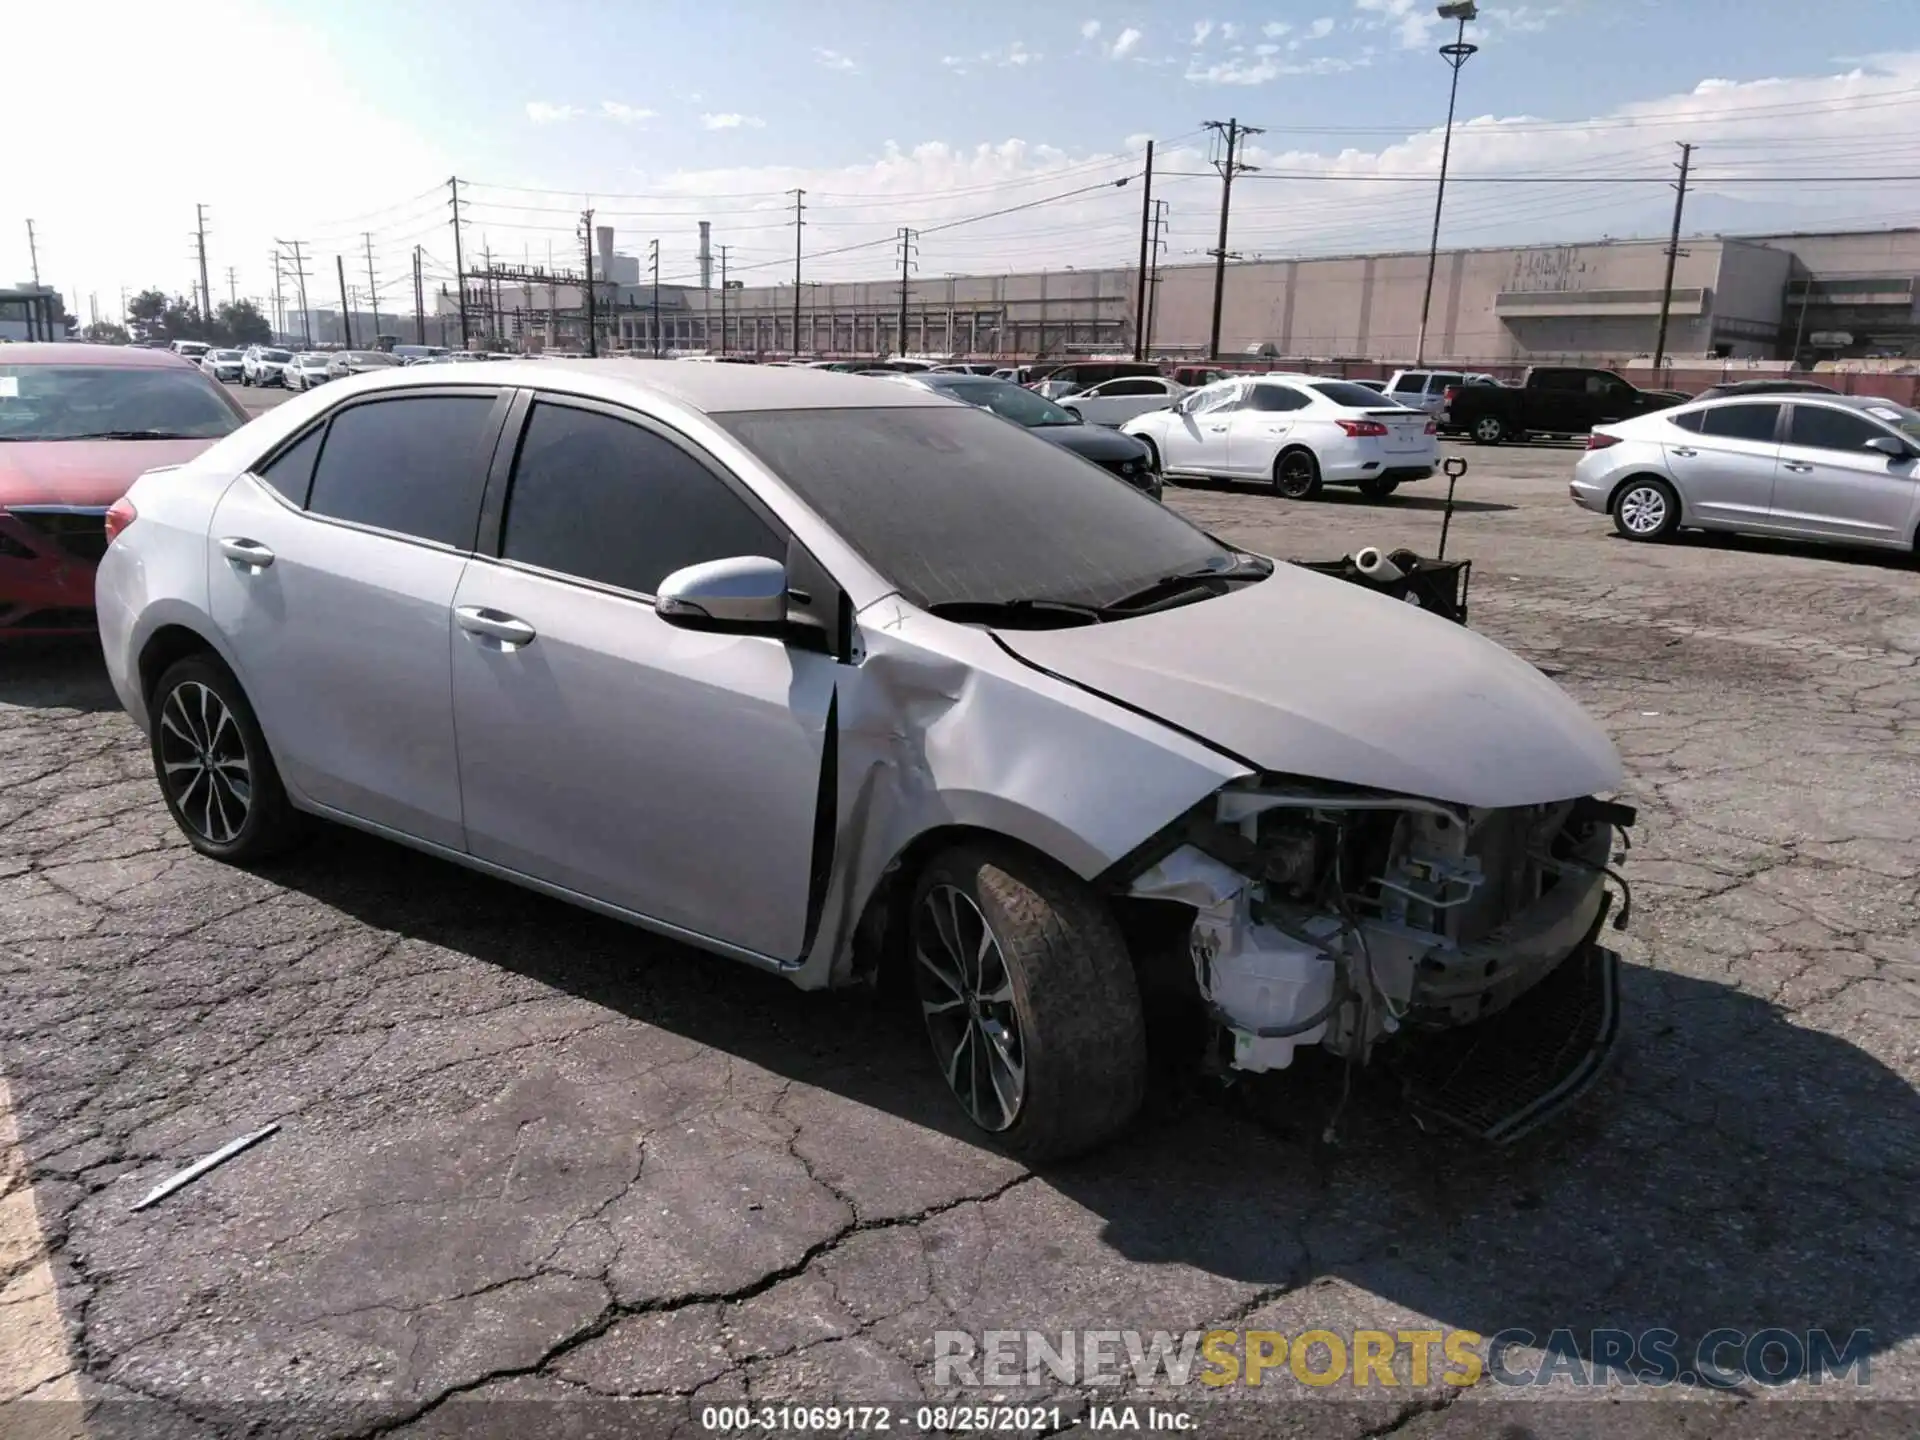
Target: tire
(1296, 475)
(1153, 459)
(1489, 430)
(1378, 489)
(186, 703)
(1053, 992)
(1646, 508)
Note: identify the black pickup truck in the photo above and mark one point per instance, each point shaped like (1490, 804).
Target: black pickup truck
(1550, 400)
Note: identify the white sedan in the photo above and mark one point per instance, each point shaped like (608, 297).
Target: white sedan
(309, 368)
(1114, 402)
(226, 366)
(1297, 432)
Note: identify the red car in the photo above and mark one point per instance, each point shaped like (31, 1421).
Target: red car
(78, 423)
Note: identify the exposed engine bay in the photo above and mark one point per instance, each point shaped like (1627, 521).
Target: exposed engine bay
(1339, 918)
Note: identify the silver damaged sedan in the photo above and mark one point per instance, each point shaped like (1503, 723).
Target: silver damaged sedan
(835, 675)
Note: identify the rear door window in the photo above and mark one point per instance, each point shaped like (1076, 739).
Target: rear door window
(1440, 384)
(1276, 397)
(290, 473)
(1741, 422)
(415, 466)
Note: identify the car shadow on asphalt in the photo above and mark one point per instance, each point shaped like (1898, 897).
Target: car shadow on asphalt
(1734, 1169)
(1341, 496)
(63, 673)
(1879, 559)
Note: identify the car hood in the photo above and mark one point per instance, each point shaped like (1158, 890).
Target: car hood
(1094, 442)
(1307, 675)
(83, 472)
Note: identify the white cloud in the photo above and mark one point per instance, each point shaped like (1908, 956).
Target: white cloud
(1521, 18)
(1229, 30)
(1413, 22)
(1266, 49)
(540, 112)
(1089, 29)
(1018, 54)
(834, 59)
(627, 114)
(1320, 29)
(1201, 30)
(1124, 43)
(732, 120)
(1274, 29)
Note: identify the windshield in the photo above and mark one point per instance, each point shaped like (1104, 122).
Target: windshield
(278, 357)
(1010, 402)
(1903, 418)
(193, 348)
(955, 507)
(371, 357)
(313, 362)
(77, 402)
(227, 355)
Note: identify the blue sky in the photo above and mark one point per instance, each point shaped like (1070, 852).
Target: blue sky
(901, 113)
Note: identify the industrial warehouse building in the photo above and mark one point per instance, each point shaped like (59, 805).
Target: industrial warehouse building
(1764, 297)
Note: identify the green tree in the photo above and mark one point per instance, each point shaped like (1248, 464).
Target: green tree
(147, 315)
(242, 323)
(105, 332)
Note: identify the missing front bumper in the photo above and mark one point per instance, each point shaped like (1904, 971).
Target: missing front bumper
(1505, 1076)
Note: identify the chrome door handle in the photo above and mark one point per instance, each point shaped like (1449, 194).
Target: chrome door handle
(477, 620)
(1683, 450)
(1799, 467)
(1218, 429)
(246, 552)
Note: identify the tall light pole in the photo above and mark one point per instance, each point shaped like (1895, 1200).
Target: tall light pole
(1456, 55)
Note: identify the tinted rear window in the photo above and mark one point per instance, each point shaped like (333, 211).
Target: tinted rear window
(957, 505)
(1741, 422)
(1345, 392)
(74, 402)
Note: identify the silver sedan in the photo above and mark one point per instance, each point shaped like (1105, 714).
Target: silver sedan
(1837, 468)
(831, 675)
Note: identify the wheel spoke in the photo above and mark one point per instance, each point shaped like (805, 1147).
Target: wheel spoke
(941, 1007)
(167, 722)
(960, 1049)
(1005, 1074)
(951, 982)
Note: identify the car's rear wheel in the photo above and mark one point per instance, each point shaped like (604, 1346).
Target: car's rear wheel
(1029, 998)
(1489, 430)
(1296, 474)
(1378, 489)
(1646, 508)
(215, 772)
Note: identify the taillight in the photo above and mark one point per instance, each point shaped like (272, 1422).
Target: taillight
(1601, 442)
(120, 515)
(1433, 427)
(1447, 397)
(1362, 427)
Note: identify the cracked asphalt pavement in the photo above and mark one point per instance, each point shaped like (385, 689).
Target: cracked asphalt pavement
(531, 1155)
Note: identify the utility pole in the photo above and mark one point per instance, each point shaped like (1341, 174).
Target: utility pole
(723, 298)
(232, 297)
(300, 278)
(346, 314)
(1140, 302)
(656, 298)
(373, 293)
(586, 241)
(459, 265)
(1673, 254)
(1159, 244)
(200, 233)
(906, 264)
(799, 209)
(1228, 168)
(33, 252)
(279, 302)
(419, 303)
(1455, 54)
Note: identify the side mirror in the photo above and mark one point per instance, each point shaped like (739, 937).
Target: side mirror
(742, 595)
(1890, 445)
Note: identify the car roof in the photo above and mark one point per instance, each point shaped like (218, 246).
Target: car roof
(710, 389)
(78, 352)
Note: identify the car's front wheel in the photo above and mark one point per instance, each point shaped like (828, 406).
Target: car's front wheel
(1296, 475)
(215, 772)
(1029, 998)
(1646, 509)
